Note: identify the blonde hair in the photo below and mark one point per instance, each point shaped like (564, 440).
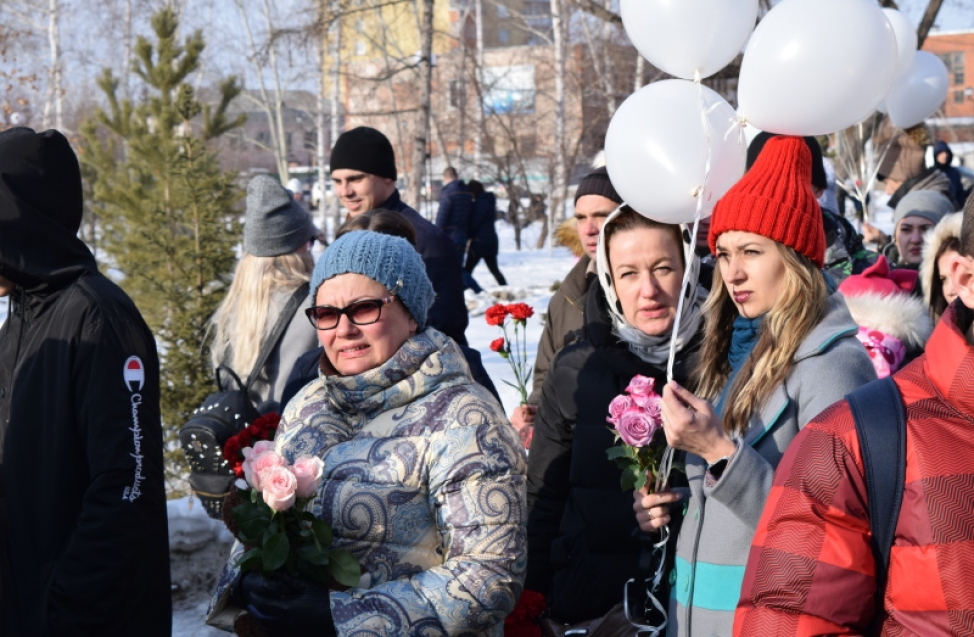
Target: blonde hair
(800, 306)
(242, 321)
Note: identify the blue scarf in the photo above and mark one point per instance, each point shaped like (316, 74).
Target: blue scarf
(743, 339)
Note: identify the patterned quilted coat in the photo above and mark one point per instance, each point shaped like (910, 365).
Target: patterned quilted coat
(424, 484)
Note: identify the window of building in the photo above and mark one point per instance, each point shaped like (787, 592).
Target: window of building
(456, 93)
(958, 97)
(502, 11)
(955, 66)
(503, 36)
(361, 47)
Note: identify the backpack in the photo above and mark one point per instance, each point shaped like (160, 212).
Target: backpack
(877, 408)
(223, 414)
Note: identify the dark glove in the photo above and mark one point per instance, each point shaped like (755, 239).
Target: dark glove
(287, 605)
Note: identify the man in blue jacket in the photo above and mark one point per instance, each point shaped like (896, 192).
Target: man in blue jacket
(84, 541)
(363, 171)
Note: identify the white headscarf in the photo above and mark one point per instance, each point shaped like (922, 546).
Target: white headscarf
(655, 350)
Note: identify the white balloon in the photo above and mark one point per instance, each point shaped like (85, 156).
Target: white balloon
(682, 37)
(920, 92)
(795, 82)
(657, 146)
(906, 39)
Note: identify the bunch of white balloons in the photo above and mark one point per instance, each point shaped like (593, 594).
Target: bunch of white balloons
(811, 67)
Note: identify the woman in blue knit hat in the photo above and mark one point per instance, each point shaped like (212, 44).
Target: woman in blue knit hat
(423, 477)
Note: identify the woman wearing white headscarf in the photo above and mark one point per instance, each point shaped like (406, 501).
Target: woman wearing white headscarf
(582, 544)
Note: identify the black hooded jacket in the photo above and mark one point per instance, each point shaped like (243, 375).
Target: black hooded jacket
(583, 539)
(83, 526)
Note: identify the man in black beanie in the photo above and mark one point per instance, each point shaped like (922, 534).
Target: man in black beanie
(363, 171)
(595, 199)
(84, 542)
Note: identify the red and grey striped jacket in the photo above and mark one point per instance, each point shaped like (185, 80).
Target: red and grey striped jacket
(811, 570)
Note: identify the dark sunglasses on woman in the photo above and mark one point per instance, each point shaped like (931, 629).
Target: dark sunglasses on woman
(365, 312)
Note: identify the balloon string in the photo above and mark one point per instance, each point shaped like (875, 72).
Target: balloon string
(700, 193)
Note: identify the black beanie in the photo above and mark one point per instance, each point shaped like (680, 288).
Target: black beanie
(819, 179)
(364, 149)
(597, 183)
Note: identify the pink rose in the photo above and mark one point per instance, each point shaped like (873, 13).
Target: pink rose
(279, 487)
(642, 386)
(258, 464)
(619, 405)
(308, 471)
(636, 427)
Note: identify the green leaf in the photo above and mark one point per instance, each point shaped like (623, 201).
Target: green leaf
(344, 568)
(322, 533)
(615, 453)
(313, 555)
(276, 548)
(249, 560)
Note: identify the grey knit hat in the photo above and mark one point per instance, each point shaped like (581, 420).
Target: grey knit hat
(389, 260)
(929, 204)
(275, 224)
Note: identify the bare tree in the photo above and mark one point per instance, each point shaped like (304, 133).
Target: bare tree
(45, 18)
(264, 56)
(422, 131)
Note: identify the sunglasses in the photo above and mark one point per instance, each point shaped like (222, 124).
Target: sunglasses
(326, 317)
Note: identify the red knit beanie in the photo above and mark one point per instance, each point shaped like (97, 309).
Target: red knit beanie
(774, 199)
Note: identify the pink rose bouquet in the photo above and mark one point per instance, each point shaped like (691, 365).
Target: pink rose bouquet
(275, 525)
(637, 423)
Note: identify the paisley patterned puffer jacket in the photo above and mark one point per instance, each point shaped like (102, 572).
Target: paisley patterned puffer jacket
(424, 484)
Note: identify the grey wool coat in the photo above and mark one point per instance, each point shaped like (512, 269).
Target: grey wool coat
(720, 520)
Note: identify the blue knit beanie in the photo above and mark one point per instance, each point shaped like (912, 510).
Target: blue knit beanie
(389, 260)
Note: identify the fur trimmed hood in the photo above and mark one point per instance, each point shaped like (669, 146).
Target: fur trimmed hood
(948, 227)
(900, 315)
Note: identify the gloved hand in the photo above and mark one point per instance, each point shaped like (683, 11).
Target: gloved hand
(287, 605)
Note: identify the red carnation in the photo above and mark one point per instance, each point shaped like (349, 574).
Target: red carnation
(520, 311)
(497, 314)
(497, 345)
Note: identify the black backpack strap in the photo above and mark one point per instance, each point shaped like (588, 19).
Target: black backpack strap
(881, 426)
(277, 333)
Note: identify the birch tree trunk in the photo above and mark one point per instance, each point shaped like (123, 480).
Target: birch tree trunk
(55, 96)
(336, 77)
(479, 81)
(422, 132)
(560, 186)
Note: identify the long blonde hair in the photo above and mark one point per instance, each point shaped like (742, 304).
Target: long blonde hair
(800, 306)
(243, 319)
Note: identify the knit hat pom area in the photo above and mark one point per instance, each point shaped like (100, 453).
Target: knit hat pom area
(386, 259)
(775, 200)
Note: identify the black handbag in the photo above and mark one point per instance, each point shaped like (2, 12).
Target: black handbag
(223, 414)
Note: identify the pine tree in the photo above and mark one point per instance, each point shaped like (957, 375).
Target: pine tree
(167, 221)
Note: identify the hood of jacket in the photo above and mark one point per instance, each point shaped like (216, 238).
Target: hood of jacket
(942, 147)
(948, 227)
(903, 316)
(41, 206)
(835, 324)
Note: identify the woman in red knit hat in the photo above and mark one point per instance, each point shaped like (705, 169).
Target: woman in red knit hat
(778, 348)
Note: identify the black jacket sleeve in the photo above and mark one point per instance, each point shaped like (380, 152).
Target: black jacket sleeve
(114, 571)
(549, 464)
